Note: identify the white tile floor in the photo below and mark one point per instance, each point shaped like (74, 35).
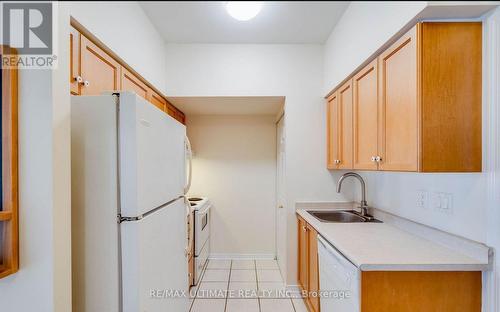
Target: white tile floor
(243, 286)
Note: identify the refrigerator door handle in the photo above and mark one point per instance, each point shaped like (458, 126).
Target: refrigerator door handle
(144, 215)
(190, 165)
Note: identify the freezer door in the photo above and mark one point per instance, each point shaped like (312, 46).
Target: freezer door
(154, 267)
(152, 156)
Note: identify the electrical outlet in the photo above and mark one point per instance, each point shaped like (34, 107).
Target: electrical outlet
(422, 199)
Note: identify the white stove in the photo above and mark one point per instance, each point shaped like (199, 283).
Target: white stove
(201, 207)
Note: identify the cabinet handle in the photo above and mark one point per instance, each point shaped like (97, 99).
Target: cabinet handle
(378, 159)
(337, 161)
(280, 206)
(304, 228)
(374, 159)
(78, 79)
(86, 83)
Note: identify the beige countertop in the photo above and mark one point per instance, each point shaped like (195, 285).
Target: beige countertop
(383, 247)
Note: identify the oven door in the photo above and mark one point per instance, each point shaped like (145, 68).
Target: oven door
(202, 228)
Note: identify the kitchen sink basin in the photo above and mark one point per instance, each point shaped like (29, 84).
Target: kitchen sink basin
(341, 216)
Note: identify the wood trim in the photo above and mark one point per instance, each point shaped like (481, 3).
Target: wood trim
(74, 66)
(5, 215)
(10, 202)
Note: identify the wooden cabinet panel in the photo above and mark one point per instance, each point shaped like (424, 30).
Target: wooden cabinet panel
(313, 269)
(418, 106)
(383, 291)
(74, 61)
(332, 135)
(130, 82)
(157, 100)
(365, 120)
(398, 105)
(303, 254)
(345, 149)
(99, 69)
(451, 97)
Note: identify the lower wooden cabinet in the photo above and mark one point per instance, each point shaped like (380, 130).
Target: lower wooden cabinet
(308, 266)
(418, 291)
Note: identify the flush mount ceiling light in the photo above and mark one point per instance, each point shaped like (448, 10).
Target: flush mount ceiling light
(243, 10)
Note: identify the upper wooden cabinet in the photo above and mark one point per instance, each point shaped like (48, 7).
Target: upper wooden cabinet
(100, 72)
(417, 107)
(339, 125)
(130, 82)
(365, 122)
(332, 134)
(94, 71)
(451, 90)
(398, 105)
(157, 100)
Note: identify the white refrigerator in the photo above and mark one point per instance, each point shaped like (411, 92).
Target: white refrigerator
(128, 206)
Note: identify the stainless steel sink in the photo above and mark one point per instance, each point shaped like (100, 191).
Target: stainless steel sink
(341, 216)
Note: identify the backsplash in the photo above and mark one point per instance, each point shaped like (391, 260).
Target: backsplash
(454, 203)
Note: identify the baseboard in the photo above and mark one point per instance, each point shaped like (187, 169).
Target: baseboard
(238, 256)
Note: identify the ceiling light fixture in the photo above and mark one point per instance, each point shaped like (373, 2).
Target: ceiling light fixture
(243, 10)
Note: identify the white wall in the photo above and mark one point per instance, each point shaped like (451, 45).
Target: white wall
(235, 166)
(43, 282)
(361, 31)
(127, 31)
(293, 71)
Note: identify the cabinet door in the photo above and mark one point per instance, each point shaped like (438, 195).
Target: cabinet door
(100, 72)
(74, 61)
(170, 110)
(157, 100)
(303, 255)
(313, 269)
(365, 122)
(398, 105)
(345, 126)
(130, 82)
(332, 134)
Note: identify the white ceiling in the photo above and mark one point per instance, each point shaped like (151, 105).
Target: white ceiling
(229, 105)
(277, 22)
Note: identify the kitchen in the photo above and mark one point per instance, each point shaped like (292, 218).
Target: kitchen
(256, 74)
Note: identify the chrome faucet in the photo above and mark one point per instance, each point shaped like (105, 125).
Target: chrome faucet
(363, 205)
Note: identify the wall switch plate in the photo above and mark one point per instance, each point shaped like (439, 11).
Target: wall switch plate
(436, 201)
(446, 202)
(442, 202)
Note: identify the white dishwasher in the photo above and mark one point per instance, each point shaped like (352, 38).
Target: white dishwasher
(339, 280)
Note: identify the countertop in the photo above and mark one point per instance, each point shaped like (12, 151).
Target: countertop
(383, 247)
